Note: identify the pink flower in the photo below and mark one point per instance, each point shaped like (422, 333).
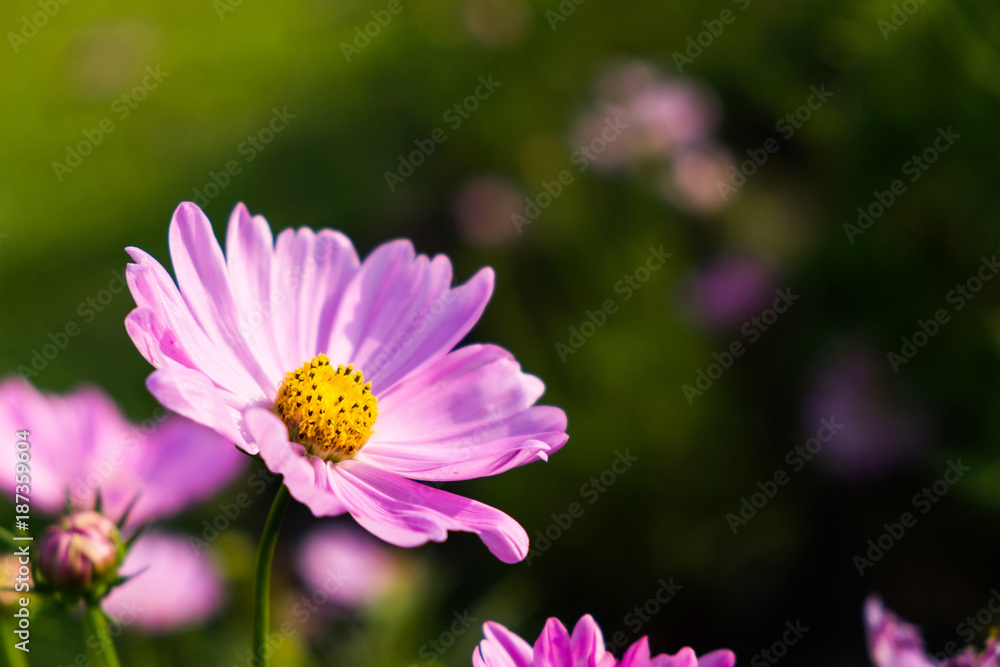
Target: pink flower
(584, 648)
(80, 443)
(341, 374)
(351, 568)
(172, 585)
(894, 643)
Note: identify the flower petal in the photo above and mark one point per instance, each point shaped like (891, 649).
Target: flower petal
(399, 313)
(179, 464)
(203, 280)
(467, 415)
(502, 648)
(309, 479)
(552, 649)
(891, 641)
(191, 394)
(249, 251)
(174, 585)
(173, 324)
(407, 513)
(68, 435)
(720, 658)
(587, 643)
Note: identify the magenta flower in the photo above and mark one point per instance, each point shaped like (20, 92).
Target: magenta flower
(894, 643)
(172, 586)
(79, 444)
(341, 374)
(584, 648)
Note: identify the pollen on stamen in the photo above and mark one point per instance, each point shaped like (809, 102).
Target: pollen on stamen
(320, 422)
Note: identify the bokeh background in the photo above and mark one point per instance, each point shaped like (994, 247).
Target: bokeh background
(682, 92)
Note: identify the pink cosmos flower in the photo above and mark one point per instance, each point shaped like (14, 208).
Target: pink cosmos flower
(584, 648)
(352, 569)
(894, 643)
(172, 585)
(341, 374)
(80, 443)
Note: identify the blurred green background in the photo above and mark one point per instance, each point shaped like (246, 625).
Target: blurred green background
(227, 67)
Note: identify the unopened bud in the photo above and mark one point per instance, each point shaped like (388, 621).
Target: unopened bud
(81, 554)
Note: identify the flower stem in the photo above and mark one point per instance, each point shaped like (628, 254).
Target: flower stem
(99, 626)
(262, 576)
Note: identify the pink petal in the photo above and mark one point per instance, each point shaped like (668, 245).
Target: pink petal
(191, 394)
(637, 655)
(174, 585)
(587, 643)
(249, 251)
(203, 280)
(502, 648)
(311, 273)
(552, 649)
(176, 466)
(309, 479)
(67, 435)
(720, 658)
(172, 322)
(407, 513)
(466, 415)
(399, 313)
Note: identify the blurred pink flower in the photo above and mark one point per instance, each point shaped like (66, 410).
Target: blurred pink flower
(341, 374)
(728, 290)
(584, 648)
(664, 115)
(893, 642)
(483, 209)
(80, 443)
(352, 569)
(172, 585)
(880, 430)
(692, 183)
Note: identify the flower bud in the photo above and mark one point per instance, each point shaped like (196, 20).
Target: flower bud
(80, 555)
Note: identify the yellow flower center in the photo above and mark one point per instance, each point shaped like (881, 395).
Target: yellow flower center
(328, 410)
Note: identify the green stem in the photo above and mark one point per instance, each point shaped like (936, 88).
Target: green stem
(99, 626)
(262, 575)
